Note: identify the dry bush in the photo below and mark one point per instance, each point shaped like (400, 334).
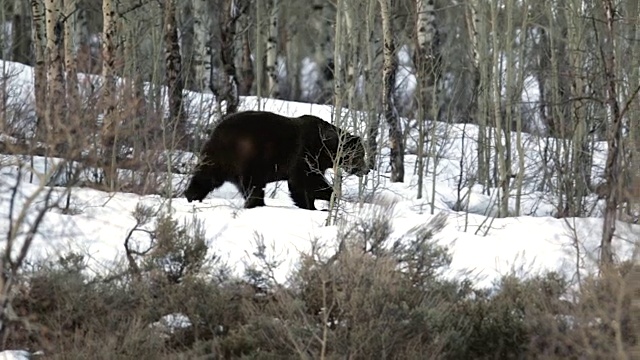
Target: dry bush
(71, 315)
(376, 296)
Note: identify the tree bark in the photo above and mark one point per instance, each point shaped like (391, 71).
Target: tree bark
(370, 90)
(201, 49)
(21, 42)
(426, 62)
(85, 62)
(40, 74)
(501, 154)
(247, 76)
(477, 106)
(272, 52)
(322, 52)
(173, 67)
(232, 11)
(612, 165)
(55, 76)
(388, 102)
(71, 78)
(69, 50)
(109, 154)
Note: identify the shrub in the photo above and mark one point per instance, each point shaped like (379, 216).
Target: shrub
(376, 295)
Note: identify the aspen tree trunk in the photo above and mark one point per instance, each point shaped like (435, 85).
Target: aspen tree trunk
(322, 51)
(352, 12)
(633, 7)
(370, 89)
(40, 74)
(522, 41)
(70, 50)
(84, 61)
(388, 103)
(292, 46)
(201, 57)
(612, 165)
(560, 126)
(542, 54)
(503, 180)
(260, 51)
(426, 68)
(247, 76)
(477, 107)
(71, 76)
(55, 76)
(555, 116)
(510, 87)
(173, 67)
(272, 52)
(580, 164)
(232, 12)
(337, 115)
(21, 42)
(108, 92)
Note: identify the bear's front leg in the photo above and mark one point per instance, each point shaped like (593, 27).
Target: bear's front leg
(253, 193)
(319, 186)
(301, 196)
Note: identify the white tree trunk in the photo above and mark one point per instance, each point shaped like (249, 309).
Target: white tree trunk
(425, 25)
(272, 52)
(40, 75)
(425, 61)
(108, 92)
(388, 103)
(612, 166)
(55, 77)
(70, 49)
(202, 51)
(322, 52)
(477, 108)
(173, 67)
(352, 10)
(20, 33)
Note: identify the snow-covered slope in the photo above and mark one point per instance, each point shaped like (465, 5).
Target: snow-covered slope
(100, 221)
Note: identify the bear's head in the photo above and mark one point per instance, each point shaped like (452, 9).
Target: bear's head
(353, 159)
(199, 186)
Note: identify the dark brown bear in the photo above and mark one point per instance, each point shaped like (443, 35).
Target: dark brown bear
(253, 148)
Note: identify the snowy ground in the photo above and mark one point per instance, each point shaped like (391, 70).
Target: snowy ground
(480, 244)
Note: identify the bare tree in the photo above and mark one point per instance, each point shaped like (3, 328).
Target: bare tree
(371, 91)
(56, 82)
(247, 74)
(40, 74)
(322, 51)
(612, 166)
(522, 42)
(477, 106)
(388, 101)
(501, 150)
(173, 67)
(232, 11)
(426, 60)
(272, 51)
(20, 41)
(69, 49)
(108, 89)
(201, 49)
(353, 11)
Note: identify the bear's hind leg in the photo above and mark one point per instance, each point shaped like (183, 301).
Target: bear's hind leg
(301, 196)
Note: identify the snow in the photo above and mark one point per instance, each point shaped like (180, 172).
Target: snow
(19, 355)
(481, 245)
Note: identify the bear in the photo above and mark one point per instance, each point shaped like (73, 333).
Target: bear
(253, 148)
